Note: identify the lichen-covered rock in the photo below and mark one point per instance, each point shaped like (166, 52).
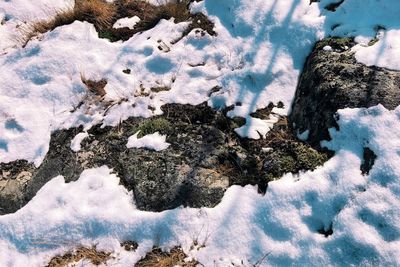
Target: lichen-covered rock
(204, 158)
(200, 164)
(13, 180)
(292, 156)
(332, 79)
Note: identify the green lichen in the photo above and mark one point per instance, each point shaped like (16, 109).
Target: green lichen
(308, 158)
(151, 126)
(292, 157)
(278, 163)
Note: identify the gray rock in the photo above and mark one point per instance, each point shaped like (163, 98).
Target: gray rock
(14, 178)
(205, 158)
(201, 163)
(333, 80)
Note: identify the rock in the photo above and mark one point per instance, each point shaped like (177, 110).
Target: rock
(13, 180)
(333, 80)
(204, 158)
(195, 171)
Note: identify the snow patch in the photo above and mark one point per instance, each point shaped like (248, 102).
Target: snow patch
(76, 141)
(154, 141)
(304, 135)
(291, 223)
(127, 22)
(384, 53)
(256, 128)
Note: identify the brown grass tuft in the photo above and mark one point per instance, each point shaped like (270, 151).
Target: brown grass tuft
(103, 15)
(98, 12)
(158, 258)
(95, 87)
(91, 254)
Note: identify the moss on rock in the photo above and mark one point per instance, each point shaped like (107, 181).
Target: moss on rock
(153, 125)
(308, 158)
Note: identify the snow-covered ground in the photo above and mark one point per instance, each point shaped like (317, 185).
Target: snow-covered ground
(282, 226)
(256, 58)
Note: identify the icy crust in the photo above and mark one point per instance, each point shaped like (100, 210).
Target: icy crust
(333, 216)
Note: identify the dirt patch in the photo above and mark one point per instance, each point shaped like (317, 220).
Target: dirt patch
(369, 158)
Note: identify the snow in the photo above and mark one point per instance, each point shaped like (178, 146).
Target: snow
(20, 13)
(304, 135)
(256, 128)
(384, 53)
(154, 141)
(256, 59)
(127, 22)
(361, 17)
(363, 211)
(255, 70)
(76, 141)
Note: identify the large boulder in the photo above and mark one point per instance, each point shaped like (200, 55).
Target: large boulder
(332, 79)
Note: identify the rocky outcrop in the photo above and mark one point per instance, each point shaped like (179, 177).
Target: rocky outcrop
(205, 158)
(332, 79)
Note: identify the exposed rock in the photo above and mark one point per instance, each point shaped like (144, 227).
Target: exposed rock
(332, 80)
(205, 158)
(369, 158)
(130, 245)
(13, 180)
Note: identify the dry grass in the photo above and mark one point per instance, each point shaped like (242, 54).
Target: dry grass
(103, 15)
(95, 87)
(98, 12)
(62, 17)
(91, 254)
(158, 258)
(151, 15)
